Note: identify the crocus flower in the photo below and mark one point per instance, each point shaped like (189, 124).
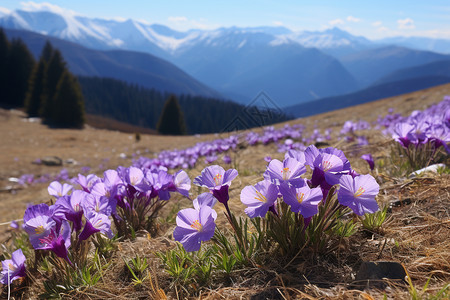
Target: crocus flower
(86, 182)
(259, 198)
(96, 222)
(57, 189)
(13, 268)
(194, 226)
(217, 180)
(45, 233)
(69, 208)
(303, 200)
(328, 165)
(204, 199)
(369, 159)
(288, 171)
(182, 183)
(359, 193)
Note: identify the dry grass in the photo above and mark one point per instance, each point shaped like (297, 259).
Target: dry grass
(416, 235)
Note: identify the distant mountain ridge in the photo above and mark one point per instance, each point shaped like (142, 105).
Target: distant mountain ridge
(133, 67)
(236, 63)
(369, 94)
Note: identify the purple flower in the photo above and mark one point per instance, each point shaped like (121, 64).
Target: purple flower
(204, 199)
(194, 226)
(359, 193)
(217, 180)
(57, 189)
(303, 200)
(45, 233)
(259, 198)
(288, 171)
(98, 204)
(369, 159)
(96, 222)
(226, 159)
(328, 165)
(69, 208)
(182, 183)
(86, 182)
(13, 268)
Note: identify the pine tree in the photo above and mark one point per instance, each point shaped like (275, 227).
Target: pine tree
(53, 73)
(171, 120)
(4, 52)
(19, 67)
(35, 89)
(68, 103)
(47, 51)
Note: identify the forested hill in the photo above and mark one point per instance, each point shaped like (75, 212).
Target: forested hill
(142, 107)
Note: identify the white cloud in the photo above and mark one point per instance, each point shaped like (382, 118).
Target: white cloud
(181, 23)
(277, 23)
(336, 22)
(377, 24)
(45, 6)
(406, 23)
(4, 10)
(383, 29)
(353, 19)
(177, 19)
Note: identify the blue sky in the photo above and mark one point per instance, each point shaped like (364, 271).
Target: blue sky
(373, 19)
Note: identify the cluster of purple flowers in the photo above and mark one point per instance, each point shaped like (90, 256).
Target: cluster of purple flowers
(78, 214)
(195, 225)
(350, 130)
(282, 179)
(188, 157)
(431, 126)
(329, 167)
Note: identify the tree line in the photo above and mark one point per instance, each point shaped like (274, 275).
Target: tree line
(47, 89)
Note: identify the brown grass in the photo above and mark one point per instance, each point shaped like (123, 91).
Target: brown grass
(417, 234)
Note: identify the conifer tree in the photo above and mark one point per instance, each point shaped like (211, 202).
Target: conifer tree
(4, 52)
(53, 73)
(19, 67)
(35, 89)
(171, 120)
(68, 103)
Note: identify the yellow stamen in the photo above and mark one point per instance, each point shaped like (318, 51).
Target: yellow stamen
(196, 225)
(260, 197)
(300, 197)
(39, 230)
(11, 267)
(359, 192)
(286, 172)
(326, 165)
(218, 179)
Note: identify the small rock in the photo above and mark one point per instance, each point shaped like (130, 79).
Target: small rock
(371, 274)
(71, 161)
(51, 161)
(432, 168)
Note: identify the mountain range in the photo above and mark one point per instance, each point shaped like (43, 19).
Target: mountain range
(234, 63)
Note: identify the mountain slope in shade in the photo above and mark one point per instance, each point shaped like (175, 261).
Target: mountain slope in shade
(132, 67)
(234, 61)
(370, 65)
(438, 68)
(420, 43)
(366, 95)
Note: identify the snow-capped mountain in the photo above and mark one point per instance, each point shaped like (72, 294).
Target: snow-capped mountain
(239, 62)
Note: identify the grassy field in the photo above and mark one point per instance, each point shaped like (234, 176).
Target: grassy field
(416, 232)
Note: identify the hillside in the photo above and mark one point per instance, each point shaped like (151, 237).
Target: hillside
(372, 93)
(133, 67)
(414, 234)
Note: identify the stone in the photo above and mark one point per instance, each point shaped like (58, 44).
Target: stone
(51, 161)
(372, 274)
